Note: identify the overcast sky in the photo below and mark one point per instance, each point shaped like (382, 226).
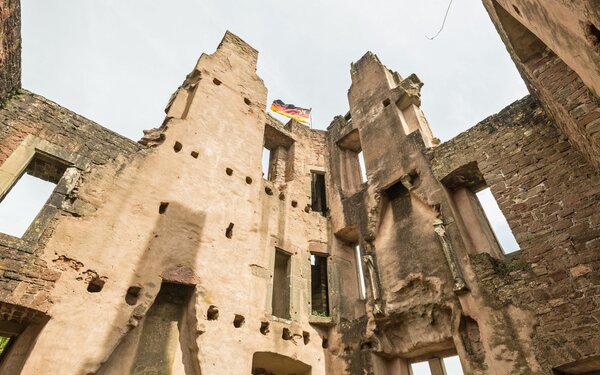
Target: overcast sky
(118, 62)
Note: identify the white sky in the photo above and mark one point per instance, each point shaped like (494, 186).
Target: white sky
(118, 62)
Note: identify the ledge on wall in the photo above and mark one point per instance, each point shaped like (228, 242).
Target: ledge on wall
(321, 320)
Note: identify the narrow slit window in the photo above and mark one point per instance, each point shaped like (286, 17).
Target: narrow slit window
(24, 200)
(319, 285)
(281, 285)
(361, 276)
(497, 221)
(363, 170)
(318, 194)
(266, 163)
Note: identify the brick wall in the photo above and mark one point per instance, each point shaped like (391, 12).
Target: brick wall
(24, 278)
(550, 196)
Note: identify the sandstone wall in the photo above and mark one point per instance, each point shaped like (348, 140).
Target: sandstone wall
(10, 48)
(550, 196)
(555, 46)
(28, 121)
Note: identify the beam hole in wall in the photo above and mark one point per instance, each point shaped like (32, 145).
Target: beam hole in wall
(95, 285)
(264, 328)
(305, 337)
(325, 343)
(217, 82)
(386, 102)
(229, 171)
(294, 204)
(516, 10)
(238, 320)
(133, 294)
(162, 208)
(21, 202)
(229, 231)
(247, 101)
(248, 180)
(212, 313)
(177, 146)
(268, 190)
(592, 34)
(286, 334)
(194, 154)
(281, 196)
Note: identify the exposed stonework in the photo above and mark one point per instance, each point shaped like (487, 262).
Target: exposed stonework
(180, 255)
(10, 48)
(555, 47)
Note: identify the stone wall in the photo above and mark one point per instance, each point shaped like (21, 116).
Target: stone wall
(10, 48)
(555, 47)
(26, 278)
(550, 196)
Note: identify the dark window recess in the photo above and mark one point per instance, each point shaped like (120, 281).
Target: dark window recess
(5, 343)
(281, 285)
(318, 195)
(319, 287)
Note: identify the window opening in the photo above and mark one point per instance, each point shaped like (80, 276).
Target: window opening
(318, 194)
(319, 285)
(5, 342)
(361, 276)
(28, 195)
(363, 170)
(497, 221)
(266, 163)
(420, 368)
(281, 285)
(452, 365)
(437, 366)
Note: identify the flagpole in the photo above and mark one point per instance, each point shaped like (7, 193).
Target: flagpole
(310, 116)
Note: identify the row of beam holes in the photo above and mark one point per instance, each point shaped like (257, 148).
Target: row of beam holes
(229, 172)
(218, 83)
(287, 335)
(239, 320)
(178, 147)
(269, 191)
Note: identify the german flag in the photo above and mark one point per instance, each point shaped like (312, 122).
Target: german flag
(289, 110)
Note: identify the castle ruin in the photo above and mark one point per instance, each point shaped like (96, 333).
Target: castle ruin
(178, 255)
